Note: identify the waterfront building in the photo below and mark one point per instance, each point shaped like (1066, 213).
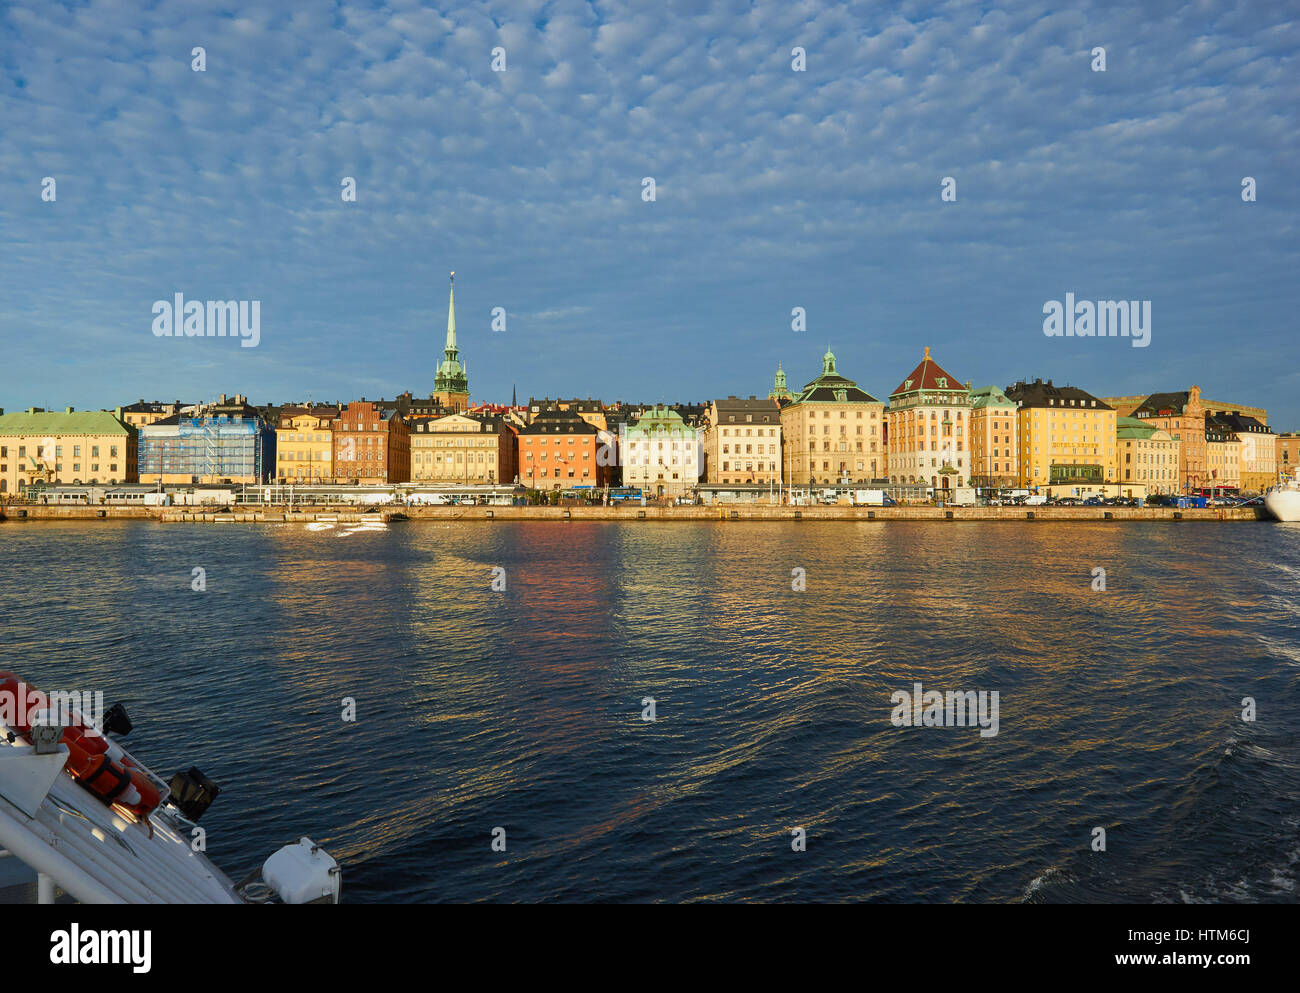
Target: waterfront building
(1065, 439)
(1287, 446)
(741, 440)
(1183, 415)
(1148, 458)
(660, 454)
(558, 449)
(304, 444)
(928, 423)
(68, 446)
(993, 436)
(371, 445)
(1222, 456)
(451, 384)
(465, 449)
(833, 431)
(1258, 455)
(228, 442)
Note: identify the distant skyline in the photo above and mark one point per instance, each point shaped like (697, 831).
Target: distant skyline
(775, 189)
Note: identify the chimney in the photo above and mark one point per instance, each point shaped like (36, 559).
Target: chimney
(67, 410)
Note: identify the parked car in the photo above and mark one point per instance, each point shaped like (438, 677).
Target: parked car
(1092, 501)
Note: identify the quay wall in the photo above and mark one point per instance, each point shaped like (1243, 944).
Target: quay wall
(726, 514)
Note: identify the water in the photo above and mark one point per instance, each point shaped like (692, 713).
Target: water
(522, 710)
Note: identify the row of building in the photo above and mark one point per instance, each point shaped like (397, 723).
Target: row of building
(936, 433)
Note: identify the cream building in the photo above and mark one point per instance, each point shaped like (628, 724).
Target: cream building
(1065, 439)
(1148, 459)
(661, 454)
(929, 428)
(742, 441)
(39, 446)
(463, 449)
(1222, 456)
(1258, 469)
(833, 431)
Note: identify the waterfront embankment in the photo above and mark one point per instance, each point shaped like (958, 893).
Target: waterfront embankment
(169, 515)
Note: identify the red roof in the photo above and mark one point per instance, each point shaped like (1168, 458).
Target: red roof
(929, 376)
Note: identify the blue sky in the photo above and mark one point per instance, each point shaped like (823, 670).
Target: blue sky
(776, 189)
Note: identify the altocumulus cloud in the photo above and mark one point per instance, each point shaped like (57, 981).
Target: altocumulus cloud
(775, 189)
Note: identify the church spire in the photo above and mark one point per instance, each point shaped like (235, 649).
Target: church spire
(451, 384)
(451, 318)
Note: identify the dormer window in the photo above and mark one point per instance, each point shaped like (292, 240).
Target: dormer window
(943, 382)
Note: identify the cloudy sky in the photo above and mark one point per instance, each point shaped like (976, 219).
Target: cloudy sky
(774, 189)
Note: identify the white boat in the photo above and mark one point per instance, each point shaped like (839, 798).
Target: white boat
(1283, 500)
(64, 841)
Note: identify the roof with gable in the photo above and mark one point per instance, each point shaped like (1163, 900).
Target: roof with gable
(929, 376)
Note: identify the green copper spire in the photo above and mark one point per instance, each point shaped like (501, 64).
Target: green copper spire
(828, 362)
(779, 389)
(452, 379)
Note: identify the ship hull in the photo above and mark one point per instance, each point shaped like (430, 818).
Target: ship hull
(1283, 504)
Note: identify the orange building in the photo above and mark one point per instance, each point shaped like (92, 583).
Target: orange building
(559, 450)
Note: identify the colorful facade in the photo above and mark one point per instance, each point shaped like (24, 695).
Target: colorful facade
(371, 445)
(929, 428)
(993, 437)
(1065, 438)
(560, 450)
(304, 445)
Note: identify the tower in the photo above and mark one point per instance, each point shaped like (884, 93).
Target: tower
(779, 390)
(451, 383)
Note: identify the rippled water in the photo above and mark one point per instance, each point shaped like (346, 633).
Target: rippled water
(522, 709)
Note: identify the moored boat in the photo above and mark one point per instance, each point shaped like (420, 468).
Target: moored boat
(1283, 500)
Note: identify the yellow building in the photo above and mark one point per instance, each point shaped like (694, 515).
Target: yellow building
(1065, 439)
(1148, 459)
(994, 461)
(833, 432)
(38, 446)
(304, 445)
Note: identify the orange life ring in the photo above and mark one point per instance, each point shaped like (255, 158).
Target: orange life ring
(115, 783)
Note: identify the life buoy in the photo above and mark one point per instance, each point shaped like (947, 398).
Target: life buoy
(114, 779)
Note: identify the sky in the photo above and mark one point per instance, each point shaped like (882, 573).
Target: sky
(774, 189)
